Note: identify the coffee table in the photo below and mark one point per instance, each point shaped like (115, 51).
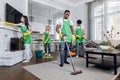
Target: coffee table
(103, 61)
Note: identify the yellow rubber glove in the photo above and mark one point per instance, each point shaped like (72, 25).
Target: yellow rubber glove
(84, 36)
(26, 33)
(60, 35)
(73, 38)
(8, 23)
(78, 36)
(46, 41)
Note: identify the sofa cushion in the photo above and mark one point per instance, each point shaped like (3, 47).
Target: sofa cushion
(117, 47)
(92, 44)
(115, 42)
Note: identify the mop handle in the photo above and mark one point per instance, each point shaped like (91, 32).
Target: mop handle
(71, 60)
(70, 56)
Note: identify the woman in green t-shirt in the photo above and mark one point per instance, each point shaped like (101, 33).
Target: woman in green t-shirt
(46, 40)
(26, 34)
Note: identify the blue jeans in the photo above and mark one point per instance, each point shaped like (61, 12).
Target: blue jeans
(63, 52)
(47, 48)
(83, 49)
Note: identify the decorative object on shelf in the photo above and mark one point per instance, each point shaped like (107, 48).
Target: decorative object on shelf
(109, 36)
(106, 45)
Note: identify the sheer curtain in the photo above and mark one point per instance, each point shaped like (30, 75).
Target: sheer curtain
(105, 16)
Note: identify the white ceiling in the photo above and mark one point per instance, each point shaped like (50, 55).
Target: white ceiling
(45, 9)
(40, 10)
(74, 3)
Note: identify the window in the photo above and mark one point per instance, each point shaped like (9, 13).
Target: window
(98, 21)
(99, 10)
(106, 17)
(113, 6)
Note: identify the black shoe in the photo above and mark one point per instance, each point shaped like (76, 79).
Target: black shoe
(66, 62)
(61, 65)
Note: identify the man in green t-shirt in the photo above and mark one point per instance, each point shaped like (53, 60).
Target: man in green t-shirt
(64, 26)
(80, 37)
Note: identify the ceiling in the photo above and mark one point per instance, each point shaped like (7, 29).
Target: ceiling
(74, 3)
(40, 10)
(45, 9)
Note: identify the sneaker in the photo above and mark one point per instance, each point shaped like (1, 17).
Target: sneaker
(66, 62)
(46, 54)
(25, 61)
(61, 65)
(77, 56)
(49, 54)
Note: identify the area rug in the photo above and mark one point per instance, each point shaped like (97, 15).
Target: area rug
(52, 71)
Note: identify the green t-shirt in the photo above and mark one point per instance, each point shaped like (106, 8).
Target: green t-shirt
(67, 31)
(79, 33)
(46, 38)
(27, 39)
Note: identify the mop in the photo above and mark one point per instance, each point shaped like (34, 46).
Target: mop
(47, 55)
(71, 60)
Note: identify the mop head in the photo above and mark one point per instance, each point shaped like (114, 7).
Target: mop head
(76, 72)
(47, 56)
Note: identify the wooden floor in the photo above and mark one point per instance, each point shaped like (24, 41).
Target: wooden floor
(16, 72)
(117, 77)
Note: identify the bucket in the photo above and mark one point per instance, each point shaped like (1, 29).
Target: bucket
(39, 53)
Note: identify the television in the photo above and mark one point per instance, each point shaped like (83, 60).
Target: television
(12, 15)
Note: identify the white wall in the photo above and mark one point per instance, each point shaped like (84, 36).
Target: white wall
(80, 12)
(41, 13)
(2, 9)
(37, 26)
(40, 27)
(53, 3)
(20, 5)
(77, 12)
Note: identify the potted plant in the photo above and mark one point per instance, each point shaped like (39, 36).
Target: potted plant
(109, 36)
(104, 45)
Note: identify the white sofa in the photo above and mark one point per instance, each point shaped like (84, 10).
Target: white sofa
(114, 43)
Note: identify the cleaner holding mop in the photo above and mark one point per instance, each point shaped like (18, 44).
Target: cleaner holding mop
(46, 41)
(65, 26)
